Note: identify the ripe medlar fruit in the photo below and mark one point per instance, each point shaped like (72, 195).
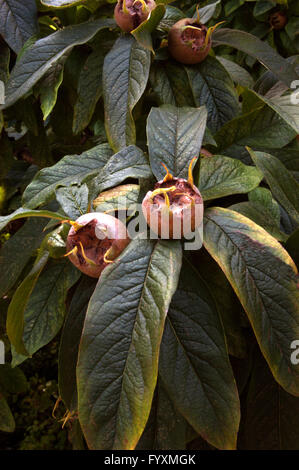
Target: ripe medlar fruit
(129, 14)
(278, 20)
(189, 41)
(174, 208)
(95, 239)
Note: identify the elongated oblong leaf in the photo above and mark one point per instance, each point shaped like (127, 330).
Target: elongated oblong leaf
(16, 252)
(271, 414)
(17, 306)
(221, 176)
(258, 49)
(70, 339)
(70, 169)
(265, 279)
(38, 58)
(7, 422)
(281, 181)
(18, 22)
(125, 75)
(119, 350)
(129, 162)
(45, 309)
(261, 128)
(174, 137)
(194, 364)
(22, 212)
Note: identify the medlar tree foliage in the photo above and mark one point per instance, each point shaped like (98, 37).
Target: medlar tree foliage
(165, 348)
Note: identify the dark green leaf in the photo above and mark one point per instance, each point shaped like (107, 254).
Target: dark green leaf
(40, 57)
(18, 22)
(265, 279)
(70, 169)
(7, 422)
(15, 314)
(12, 379)
(260, 128)
(222, 176)
(174, 137)
(271, 416)
(89, 90)
(130, 162)
(194, 365)
(143, 32)
(69, 343)
(125, 75)
(73, 200)
(263, 210)
(16, 252)
(119, 349)
(258, 49)
(282, 183)
(21, 213)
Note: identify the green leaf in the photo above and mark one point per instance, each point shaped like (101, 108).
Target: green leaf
(22, 212)
(89, 90)
(45, 309)
(70, 169)
(18, 22)
(282, 183)
(207, 12)
(17, 251)
(265, 279)
(212, 86)
(258, 49)
(194, 365)
(238, 74)
(143, 32)
(12, 379)
(7, 422)
(119, 349)
(222, 176)
(206, 83)
(41, 56)
(260, 128)
(125, 75)
(282, 105)
(228, 305)
(171, 16)
(166, 428)
(174, 137)
(70, 339)
(263, 210)
(48, 87)
(130, 162)
(73, 200)
(271, 414)
(17, 306)
(117, 198)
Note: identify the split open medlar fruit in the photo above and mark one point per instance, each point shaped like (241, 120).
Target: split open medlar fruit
(129, 14)
(174, 209)
(189, 41)
(95, 240)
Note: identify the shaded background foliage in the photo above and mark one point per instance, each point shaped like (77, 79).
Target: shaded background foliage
(83, 106)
